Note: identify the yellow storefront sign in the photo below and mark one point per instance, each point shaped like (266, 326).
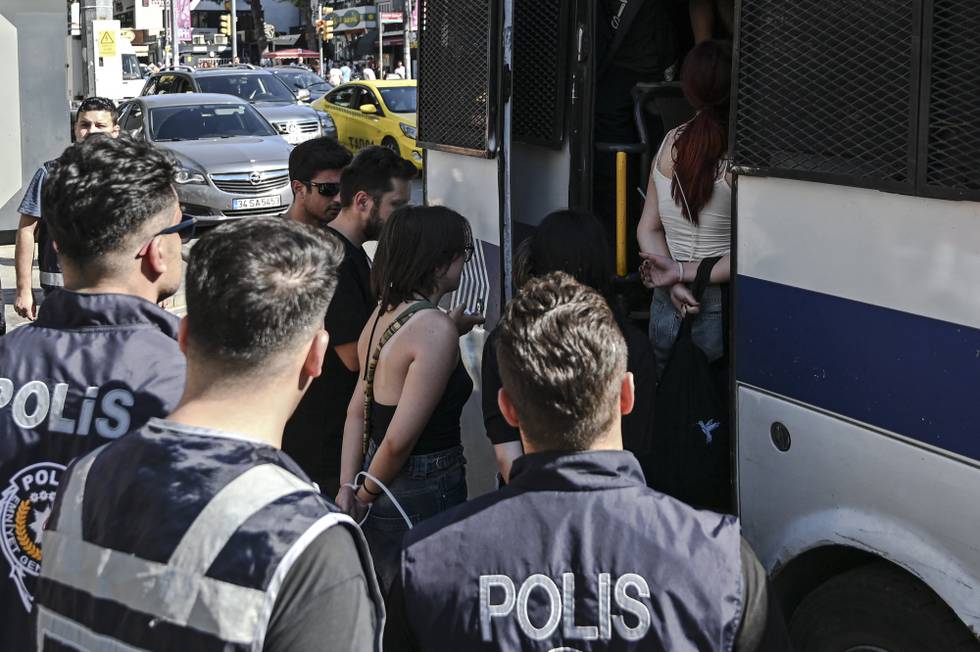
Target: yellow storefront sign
(107, 43)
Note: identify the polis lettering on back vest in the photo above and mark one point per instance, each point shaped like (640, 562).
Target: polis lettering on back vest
(34, 402)
(561, 606)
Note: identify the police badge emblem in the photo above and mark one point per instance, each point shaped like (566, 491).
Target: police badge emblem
(24, 509)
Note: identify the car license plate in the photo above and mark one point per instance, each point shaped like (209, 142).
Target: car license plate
(297, 138)
(256, 202)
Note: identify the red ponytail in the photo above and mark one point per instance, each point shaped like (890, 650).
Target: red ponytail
(703, 142)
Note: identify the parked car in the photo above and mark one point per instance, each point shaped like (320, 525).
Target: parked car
(232, 162)
(294, 120)
(375, 113)
(298, 78)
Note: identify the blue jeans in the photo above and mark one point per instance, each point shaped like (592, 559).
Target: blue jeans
(426, 485)
(706, 331)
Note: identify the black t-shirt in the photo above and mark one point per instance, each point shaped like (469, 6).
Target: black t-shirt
(637, 425)
(650, 44)
(324, 603)
(314, 435)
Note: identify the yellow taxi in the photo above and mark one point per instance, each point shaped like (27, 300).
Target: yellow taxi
(375, 112)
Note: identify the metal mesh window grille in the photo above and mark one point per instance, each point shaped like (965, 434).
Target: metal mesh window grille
(953, 125)
(458, 73)
(540, 30)
(827, 90)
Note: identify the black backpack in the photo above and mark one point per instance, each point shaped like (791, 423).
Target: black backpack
(690, 456)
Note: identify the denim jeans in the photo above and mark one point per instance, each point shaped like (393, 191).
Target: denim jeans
(706, 331)
(426, 485)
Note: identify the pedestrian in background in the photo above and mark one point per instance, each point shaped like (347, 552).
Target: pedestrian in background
(345, 72)
(195, 531)
(101, 358)
(376, 183)
(403, 424)
(95, 115)
(314, 175)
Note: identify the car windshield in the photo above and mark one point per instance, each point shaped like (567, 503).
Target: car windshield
(131, 67)
(400, 99)
(172, 123)
(253, 88)
(300, 78)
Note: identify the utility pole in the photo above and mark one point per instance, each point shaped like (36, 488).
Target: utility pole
(234, 30)
(381, 48)
(92, 10)
(174, 35)
(407, 32)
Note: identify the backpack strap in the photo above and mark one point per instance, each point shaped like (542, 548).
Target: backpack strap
(372, 364)
(697, 289)
(620, 24)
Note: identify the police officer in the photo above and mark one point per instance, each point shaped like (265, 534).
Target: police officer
(101, 358)
(575, 553)
(196, 532)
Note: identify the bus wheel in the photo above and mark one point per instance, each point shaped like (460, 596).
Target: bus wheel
(391, 144)
(877, 608)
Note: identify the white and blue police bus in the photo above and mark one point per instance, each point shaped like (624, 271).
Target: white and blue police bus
(855, 147)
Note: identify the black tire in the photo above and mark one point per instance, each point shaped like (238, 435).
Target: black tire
(392, 144)
(877, 608)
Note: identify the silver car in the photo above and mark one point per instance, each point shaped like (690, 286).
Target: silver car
(232, 162)
(289, 115)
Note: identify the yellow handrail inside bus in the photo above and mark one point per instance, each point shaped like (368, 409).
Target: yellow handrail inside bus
(621, 213)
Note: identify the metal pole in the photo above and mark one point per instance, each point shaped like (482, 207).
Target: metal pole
(175, 35)
(319, 37)
(234, 30)
(91, 11)
(406, 32)
(381, 48)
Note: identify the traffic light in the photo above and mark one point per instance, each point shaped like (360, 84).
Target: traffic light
(226, 24)
(326, 33)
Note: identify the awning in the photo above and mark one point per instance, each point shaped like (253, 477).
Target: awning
(285, 40)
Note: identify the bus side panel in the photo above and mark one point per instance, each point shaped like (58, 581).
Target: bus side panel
(471, 186)
(857, 328)
(842, 483)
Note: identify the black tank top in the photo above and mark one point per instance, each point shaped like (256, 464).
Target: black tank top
(442, 431)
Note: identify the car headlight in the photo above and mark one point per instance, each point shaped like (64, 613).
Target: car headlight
(326, 122)
(409, 130)
(185, 176)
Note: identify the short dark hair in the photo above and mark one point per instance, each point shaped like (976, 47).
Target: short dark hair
(96, 103)
(415, 243)
(316, 155)
(103, 190)
(255, 287)
(371, 171)
(574, 242)
(562, 360)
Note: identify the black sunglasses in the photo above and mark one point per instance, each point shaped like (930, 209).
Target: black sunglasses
(325, 188)
(187, 227)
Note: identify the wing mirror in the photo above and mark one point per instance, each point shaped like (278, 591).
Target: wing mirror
(303, 95)
(369, 109)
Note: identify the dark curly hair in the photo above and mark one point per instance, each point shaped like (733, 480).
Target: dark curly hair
(102, 191)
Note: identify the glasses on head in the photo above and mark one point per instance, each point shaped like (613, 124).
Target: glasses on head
(468, 253)
(187, 227)
(325, 188)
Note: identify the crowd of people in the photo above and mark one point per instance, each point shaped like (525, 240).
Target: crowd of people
(283, 469)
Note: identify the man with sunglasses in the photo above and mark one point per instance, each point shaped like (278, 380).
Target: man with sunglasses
(101, 358)
(314, 174)
(376, 183)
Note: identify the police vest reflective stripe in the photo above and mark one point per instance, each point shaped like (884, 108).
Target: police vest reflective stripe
(177, 592)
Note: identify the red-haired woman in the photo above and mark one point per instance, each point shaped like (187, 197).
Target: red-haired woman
(687, 215)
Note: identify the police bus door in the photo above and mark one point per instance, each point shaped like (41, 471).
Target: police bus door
(495, 80)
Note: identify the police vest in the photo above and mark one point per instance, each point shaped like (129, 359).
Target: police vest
(90, 368)
(172, 540)
(576, 553)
